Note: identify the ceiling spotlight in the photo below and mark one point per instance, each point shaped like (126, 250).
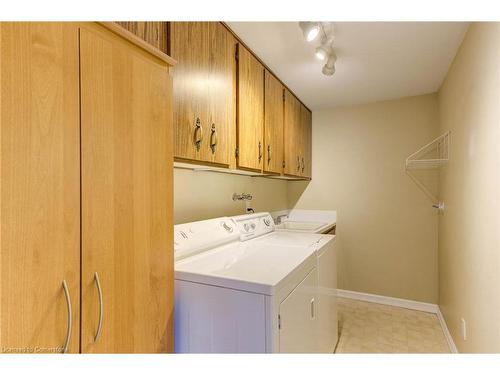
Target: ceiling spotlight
(329, 67)
(328, 71)
(323, 52)
(310, 30)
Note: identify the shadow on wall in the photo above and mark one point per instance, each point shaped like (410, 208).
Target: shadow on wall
(200, 195)
(295, 191)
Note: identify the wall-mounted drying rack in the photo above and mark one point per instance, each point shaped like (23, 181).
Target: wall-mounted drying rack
(433, 155)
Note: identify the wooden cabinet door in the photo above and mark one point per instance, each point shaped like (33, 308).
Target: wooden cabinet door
(250, 117)
(292, 135)
(306, 125)
(127, 227)
(191, 77)
(40, 186)
(155, 33)
(221, 122)
(273, 125)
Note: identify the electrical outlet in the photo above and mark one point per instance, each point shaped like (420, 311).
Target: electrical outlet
(464, 329)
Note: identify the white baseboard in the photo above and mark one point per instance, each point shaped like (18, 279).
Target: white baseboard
(447, 334)
(391, 301)
(404, 303)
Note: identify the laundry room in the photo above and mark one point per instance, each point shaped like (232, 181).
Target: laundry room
(199, 179)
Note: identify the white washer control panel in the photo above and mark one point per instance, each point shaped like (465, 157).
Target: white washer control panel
(191, 238)
(254, 225)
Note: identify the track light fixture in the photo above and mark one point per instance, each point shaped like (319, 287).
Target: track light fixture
(329, 67)
(310, 30)
(324, 51)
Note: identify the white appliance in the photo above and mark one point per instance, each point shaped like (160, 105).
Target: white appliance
(237, 292)
(326, 265)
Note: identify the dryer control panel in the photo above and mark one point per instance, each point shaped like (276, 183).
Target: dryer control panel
(254, 225)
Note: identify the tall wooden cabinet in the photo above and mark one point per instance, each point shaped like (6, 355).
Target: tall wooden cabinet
(205, 100)
(86, 192)
(39, 186)
(273, 124)
(250, 116)
(126, 197)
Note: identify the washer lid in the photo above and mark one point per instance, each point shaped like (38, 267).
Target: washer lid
(247, 266)
(292, 239)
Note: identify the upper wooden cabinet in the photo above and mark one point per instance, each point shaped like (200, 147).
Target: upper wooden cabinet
(306, 158)
(227, 112)
(205, 99)
(250, 117)
(273, 124)
(221, 94)
(297, 131)
(293, 136)
(155, 33)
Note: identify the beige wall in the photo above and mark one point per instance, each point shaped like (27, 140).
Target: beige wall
(386, 225)
(200, 195)
(469, 232)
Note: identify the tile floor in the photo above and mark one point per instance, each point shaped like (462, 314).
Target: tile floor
(372, 328)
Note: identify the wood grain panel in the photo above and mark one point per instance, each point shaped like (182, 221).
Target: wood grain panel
(155, 33)
(222, 95)
(306, 125)
(191, 77)
(126, 196)
(292, 135)
(250, 107)
(39, 184)
(273, 124)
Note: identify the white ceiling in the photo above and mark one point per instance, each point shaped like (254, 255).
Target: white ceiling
(376, 60)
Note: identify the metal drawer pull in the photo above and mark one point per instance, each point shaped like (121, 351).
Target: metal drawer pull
(268, 154)
(313, 312)
(70, 317)
(101, 307)
(213, 139)
(198, 134)
(298, 163)
(260, 151)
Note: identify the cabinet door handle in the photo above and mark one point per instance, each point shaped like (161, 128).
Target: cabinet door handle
(313, 311)
(260, 151)
(303, 165)
(198, 134)
(298, 163)
(101, 307)
(268, 154)
(70, 317)
(213, 139)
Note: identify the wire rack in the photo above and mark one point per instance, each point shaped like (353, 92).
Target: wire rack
(433, 155)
